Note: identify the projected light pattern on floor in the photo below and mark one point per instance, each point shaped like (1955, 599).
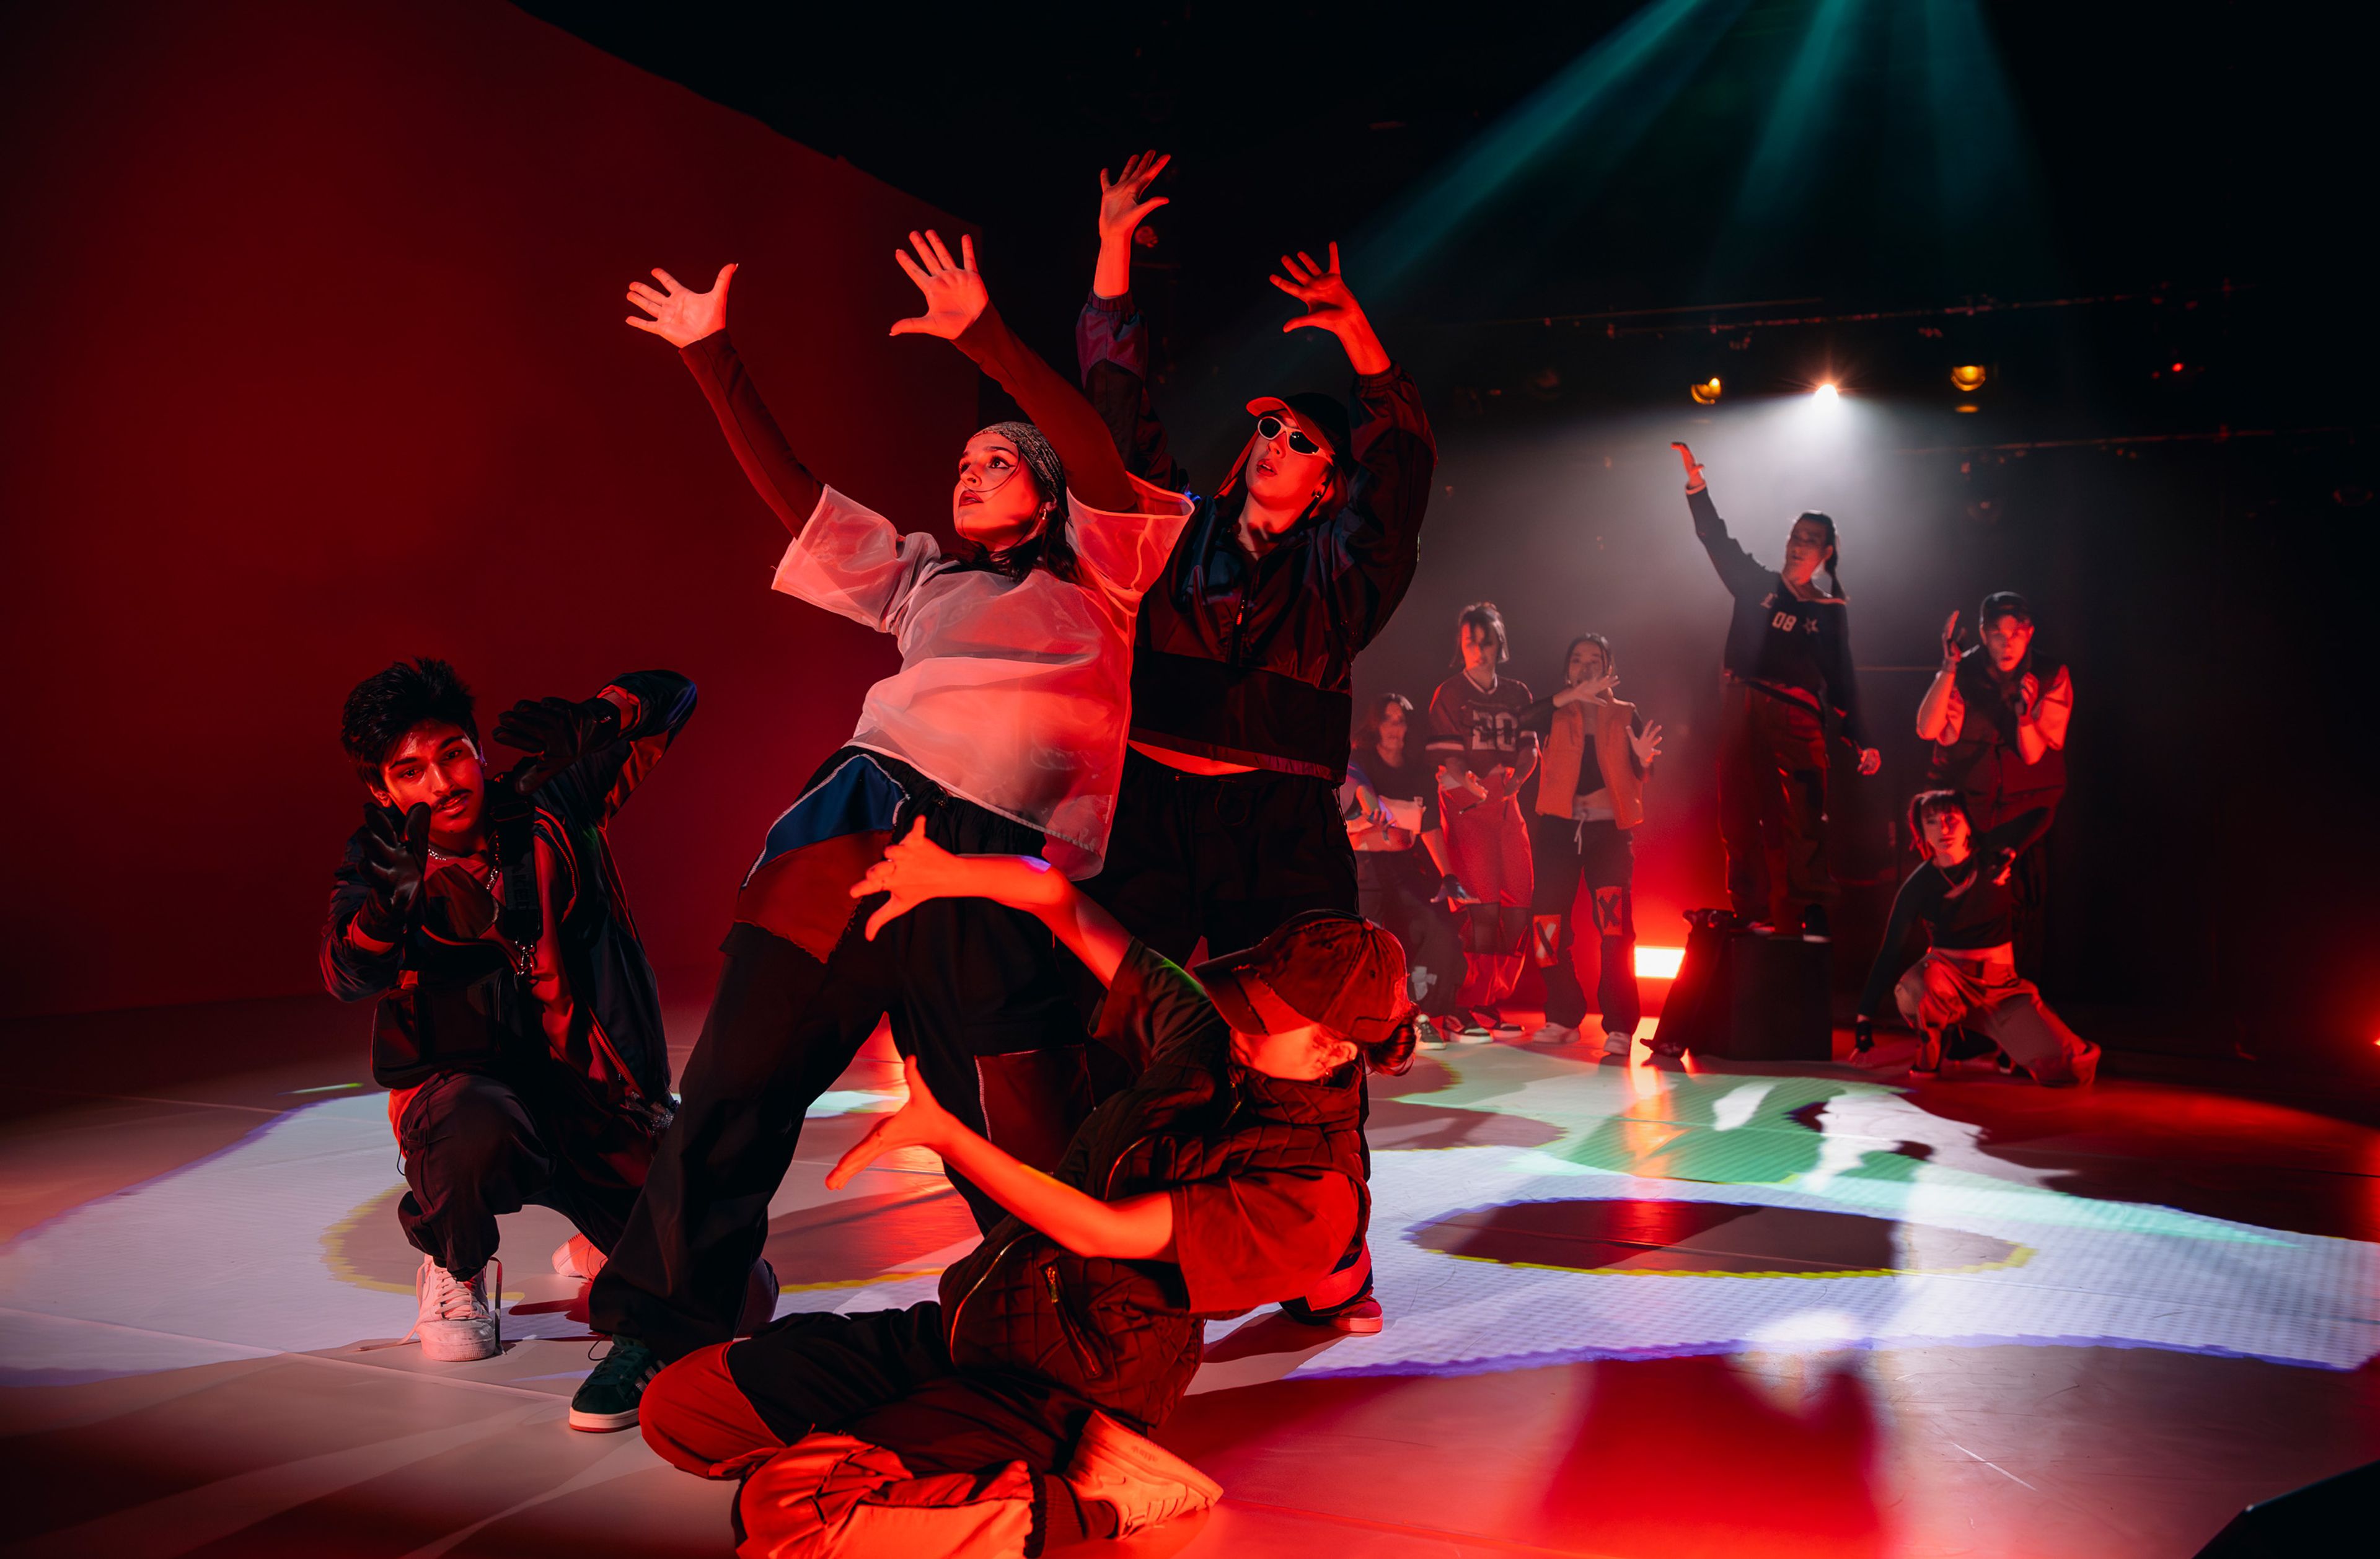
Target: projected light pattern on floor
(1529, 1209)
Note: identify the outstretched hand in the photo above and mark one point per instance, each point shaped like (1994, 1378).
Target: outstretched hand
(955, 295)
(1647, 744)
(912, 871)
(680, 315)
(920, 1123)
(1330, 305)
(1951, 642)
(394, 860)
(1870, 760)
(1694, 467)
(1587, 692)
(1124, 203)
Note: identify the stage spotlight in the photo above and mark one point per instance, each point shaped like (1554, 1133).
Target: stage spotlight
(1967, 378)
(1706, 393)
(1827, 393)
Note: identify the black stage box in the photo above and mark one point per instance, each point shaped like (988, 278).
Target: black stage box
(1749, 997)
(2336, 1516)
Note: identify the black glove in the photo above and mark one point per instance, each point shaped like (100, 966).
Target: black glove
(1863, 1036)
(556, 733)
(395, 855)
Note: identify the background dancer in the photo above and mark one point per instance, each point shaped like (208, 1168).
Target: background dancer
(1998, 718)
(1402, 870)
(1968, 976)
(1483, 758)
(1228, 822)
(518, 1026)
(1789, 661)
(1003, 731)
(1010, 1415)
(1590, 798)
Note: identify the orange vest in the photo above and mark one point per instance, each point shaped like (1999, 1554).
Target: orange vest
(1566, 744)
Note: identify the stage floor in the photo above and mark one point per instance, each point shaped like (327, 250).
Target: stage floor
(1633, 1310)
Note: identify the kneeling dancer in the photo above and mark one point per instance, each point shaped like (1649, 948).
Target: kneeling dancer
(1009, 1415)
(519, 1028)
(1967, 976)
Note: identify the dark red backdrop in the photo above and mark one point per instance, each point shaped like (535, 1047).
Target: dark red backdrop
(314, 357)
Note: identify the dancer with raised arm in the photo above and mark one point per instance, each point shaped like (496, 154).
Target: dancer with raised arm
(1997, 716)
(1968, 976)
(1001, 733)
(1590, 798)
(516, 1026)
(1789, 663)
(1228, 820)
(1010, 1415)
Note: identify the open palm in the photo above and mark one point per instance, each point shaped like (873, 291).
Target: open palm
(955, 295)
(680, 315)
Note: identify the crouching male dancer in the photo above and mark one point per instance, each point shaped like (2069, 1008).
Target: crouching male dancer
(1968, 976)
(518, 1030)
(1010, 1415)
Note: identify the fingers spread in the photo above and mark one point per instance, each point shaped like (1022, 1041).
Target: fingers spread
(917, 272)
(646, 325)
(941, 253)
(672, 283)
(719, 283)
(1334, 257)
(967, 252)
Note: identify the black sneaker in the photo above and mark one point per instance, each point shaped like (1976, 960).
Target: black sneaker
(1814, 923)
(608, 1398)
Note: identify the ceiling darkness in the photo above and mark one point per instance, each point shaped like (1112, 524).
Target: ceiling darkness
(1492, 163)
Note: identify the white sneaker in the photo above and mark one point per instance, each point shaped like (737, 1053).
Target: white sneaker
(1146, 1483)
(1617, 1044)
(1506, 1028)
(576, 1257)
(1557, 1034)
(1426, 1036)
(456, 1323)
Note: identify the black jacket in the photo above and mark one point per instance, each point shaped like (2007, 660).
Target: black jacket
(460, 1006)
(1775, 636)
(1250, 661)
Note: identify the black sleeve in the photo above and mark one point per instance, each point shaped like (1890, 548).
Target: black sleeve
(1094, 467)
(1156, 1013)
(1886, 969)
(2017, 835)
(1635, 727)
(1112, 349)
(1537, 715)
(783, 481)
(1842, 683)
(593, 789)
(1737, 568)
(1375, 539)
(351, 973)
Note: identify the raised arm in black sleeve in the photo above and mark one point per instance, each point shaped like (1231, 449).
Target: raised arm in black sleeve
(1376, 538)
(349, 971)
(1112, 350)
(782, 482)
(1738, 570)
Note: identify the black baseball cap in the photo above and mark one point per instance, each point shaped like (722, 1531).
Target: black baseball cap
(1324, 966)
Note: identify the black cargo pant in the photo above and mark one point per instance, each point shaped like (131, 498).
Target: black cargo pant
(1568, 853)
(981, 993)
(1227, 857)
(1772, 805)
(476, 1146)
(1398, 890)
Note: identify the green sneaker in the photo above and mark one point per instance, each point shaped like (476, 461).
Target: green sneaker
(608, 1398)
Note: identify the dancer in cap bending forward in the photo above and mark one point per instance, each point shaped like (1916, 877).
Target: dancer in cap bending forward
(1009, 1415)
